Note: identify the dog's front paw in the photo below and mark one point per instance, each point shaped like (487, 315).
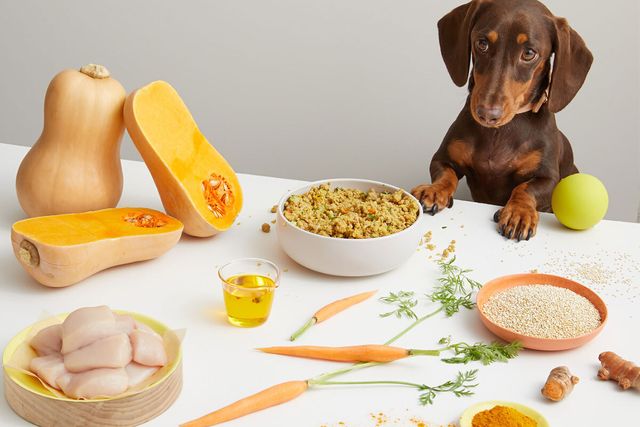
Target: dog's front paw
(517, 221)
(432, 198)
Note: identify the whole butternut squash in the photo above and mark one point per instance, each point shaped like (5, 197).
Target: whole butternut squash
(196, 184)
(61, 250)
(75, 164)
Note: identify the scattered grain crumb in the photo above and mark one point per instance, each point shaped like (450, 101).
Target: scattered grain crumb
(273, 222)
(266, 228)
(274, 208)
(610, 273)
(426, 238)
(533, 271)
(285, 270)
(380, 419)
(449, 250)
(462, 226)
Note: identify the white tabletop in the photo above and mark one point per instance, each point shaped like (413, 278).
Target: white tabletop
(220, 365)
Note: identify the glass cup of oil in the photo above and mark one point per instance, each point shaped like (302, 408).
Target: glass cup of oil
(248, 285)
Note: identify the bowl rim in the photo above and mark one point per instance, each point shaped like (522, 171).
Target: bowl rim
(566, 343)
(308, 185)
(138, 316)
(475, 408)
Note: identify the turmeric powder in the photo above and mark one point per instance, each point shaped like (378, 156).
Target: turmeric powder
(559, 384)
(502, 416)
(614, 367)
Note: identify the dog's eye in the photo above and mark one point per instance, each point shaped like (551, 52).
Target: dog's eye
(529, 54)
(482, 45)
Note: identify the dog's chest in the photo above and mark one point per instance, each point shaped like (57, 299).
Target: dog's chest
(504, 158)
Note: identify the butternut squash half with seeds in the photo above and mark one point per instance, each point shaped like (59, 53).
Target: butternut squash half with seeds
(60, 250)
(196, 184)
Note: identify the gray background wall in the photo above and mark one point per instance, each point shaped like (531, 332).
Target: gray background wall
(315, 89)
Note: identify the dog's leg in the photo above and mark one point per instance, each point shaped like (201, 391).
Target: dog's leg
(439, 195)
(519, 218)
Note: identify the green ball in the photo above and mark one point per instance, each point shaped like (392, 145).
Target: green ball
(580, 201)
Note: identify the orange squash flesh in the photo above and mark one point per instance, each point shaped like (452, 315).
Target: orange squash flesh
(196, 184)
(60, 250)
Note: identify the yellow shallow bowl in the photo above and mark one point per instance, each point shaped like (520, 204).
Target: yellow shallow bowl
(470, 412)
(35, 403)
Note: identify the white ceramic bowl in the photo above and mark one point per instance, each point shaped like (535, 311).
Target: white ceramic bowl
(347, 257)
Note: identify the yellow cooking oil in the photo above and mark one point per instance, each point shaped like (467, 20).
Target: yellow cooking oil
(248, 299)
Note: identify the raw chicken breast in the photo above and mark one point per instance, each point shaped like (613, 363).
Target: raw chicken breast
(103, 382)
(143, 327)
(48, 340)
(48, 368)
(138, 373)
(110, 352)
(125, 323)
(86, 325)
(148, 348)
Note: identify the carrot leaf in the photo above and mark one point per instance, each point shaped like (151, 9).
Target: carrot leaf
(404, 301)
(482, 352)
(454, 289)
(463, 385)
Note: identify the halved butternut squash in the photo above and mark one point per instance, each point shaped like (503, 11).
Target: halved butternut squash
(196, 184)
(60, 250)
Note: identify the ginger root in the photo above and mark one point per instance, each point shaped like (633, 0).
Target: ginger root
(615, 368)
(559, 384)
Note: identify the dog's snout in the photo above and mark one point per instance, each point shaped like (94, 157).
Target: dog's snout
(490, 114)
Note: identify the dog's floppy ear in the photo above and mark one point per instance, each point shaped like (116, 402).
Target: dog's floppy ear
(571, 63)
(454, 31)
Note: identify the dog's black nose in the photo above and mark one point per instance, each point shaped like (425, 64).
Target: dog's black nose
(490, 114)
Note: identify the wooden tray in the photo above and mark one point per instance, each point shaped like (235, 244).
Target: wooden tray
(46, 410)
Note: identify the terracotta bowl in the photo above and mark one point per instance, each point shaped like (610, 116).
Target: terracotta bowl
(535, 343)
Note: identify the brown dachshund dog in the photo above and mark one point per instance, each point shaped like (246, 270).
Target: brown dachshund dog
(527, 65)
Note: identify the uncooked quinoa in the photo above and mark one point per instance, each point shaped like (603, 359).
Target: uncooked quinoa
(542, 311)
(351, 214)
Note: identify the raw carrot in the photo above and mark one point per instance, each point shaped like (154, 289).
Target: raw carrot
(355, 354)
(271, 396)
(331, 310)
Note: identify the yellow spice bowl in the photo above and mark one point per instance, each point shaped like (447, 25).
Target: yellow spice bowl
(467, 416)
(28, 397)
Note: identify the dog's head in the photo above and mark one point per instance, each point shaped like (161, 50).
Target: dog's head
(510, 43)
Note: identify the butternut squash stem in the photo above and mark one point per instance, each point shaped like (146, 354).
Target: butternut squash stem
(95, 71)
(29, 253)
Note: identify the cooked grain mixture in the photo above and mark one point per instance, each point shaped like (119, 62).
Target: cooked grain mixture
(351, 214)
(542, 311)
